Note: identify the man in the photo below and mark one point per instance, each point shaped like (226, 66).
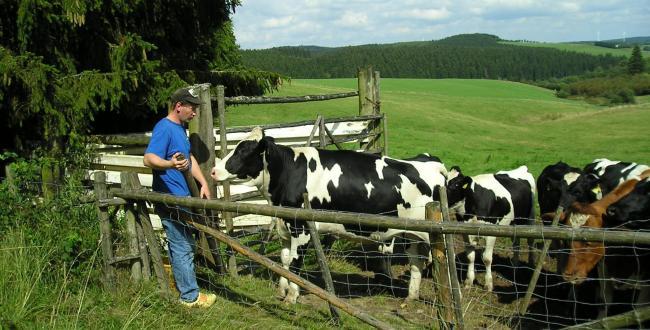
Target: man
(168, 155)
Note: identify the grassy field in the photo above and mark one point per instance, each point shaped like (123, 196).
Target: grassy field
(480, 125)
(579, 47)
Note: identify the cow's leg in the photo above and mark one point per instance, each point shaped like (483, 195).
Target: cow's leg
(417, 253)
(286, 258)
(487, 260)
(294, 289)
(470, 250)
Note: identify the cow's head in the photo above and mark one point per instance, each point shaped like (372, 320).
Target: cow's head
(246, 161)
(585, 189)
(584, 256)
(457, 186)
(633, 207)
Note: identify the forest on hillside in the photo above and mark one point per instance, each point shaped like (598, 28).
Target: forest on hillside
(461, 56)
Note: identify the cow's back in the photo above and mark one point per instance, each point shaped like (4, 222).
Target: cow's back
(366, 183)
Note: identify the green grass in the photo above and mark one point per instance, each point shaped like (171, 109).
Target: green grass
(480, 125)
(579, 47)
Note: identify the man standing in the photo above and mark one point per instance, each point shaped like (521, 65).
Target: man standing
(168, 155)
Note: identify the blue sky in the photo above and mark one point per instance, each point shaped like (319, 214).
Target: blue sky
(334, 23)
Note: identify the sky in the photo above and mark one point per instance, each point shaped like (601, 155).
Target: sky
(260, 24)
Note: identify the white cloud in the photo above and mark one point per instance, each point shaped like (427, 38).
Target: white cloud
(277, 22)
(428, 14)
(353, 19)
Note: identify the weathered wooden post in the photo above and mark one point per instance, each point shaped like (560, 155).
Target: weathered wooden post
(322, 262)
(440, 268)
(150, 236)
(106, 239)
(50, 174)
(538, 268)
(11, 178)
(223, 142)
(368, 85)
(451, 261)
(202, 143)
(131, 231)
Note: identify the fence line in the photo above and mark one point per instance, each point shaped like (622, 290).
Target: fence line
(378, 221)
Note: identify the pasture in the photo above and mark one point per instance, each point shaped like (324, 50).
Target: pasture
(481, 125)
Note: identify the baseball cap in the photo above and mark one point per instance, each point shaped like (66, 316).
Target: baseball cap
(186, 95)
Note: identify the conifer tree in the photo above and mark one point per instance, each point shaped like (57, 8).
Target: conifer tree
(636, 64)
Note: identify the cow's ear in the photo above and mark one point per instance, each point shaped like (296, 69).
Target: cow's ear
(466, 180)
(263, 144)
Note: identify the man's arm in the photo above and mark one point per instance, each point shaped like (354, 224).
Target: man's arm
(153, 161)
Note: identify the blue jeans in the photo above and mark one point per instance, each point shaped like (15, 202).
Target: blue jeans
(181, 256)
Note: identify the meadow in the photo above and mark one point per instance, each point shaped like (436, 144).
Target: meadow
(480, 125)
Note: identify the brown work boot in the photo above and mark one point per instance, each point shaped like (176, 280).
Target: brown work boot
(204, 300)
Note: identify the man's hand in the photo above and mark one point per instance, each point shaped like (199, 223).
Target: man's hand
(205, 192)
(179, 162)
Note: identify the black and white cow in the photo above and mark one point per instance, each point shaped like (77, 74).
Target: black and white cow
(633, 210)
(598, 179)
(553, 183)
(342, 181)
(612, 173)
(501, 198)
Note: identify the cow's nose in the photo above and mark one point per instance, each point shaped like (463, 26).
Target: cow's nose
(213, 173)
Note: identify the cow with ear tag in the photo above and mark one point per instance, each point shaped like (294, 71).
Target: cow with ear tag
(343, 181)
(502, 198)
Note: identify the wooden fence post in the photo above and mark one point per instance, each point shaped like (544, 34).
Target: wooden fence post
(223, 142)
(322, 262)
(440, 269)
(49, 177)
(202, 143)
(132, 231)
(152, 241)
(101, 192)
(451, 261)
(11, 178)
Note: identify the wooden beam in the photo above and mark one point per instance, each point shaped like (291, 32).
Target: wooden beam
(303, 283)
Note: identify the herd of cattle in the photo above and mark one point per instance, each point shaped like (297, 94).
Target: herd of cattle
(603, 194)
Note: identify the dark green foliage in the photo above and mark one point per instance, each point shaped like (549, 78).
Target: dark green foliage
(613, 89)
(636, 64)
(463, 56)
(70, 67)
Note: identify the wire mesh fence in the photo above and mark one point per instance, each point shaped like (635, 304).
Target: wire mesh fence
(378, 281)
(360, 274)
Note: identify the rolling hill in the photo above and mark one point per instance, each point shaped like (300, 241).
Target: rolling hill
(473, 56)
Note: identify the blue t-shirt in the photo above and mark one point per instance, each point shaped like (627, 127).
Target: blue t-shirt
(167, 139)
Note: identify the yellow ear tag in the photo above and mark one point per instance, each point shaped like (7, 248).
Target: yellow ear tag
(596, 190)
(465, 186)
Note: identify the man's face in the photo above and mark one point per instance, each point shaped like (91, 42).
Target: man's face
(187, 111)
